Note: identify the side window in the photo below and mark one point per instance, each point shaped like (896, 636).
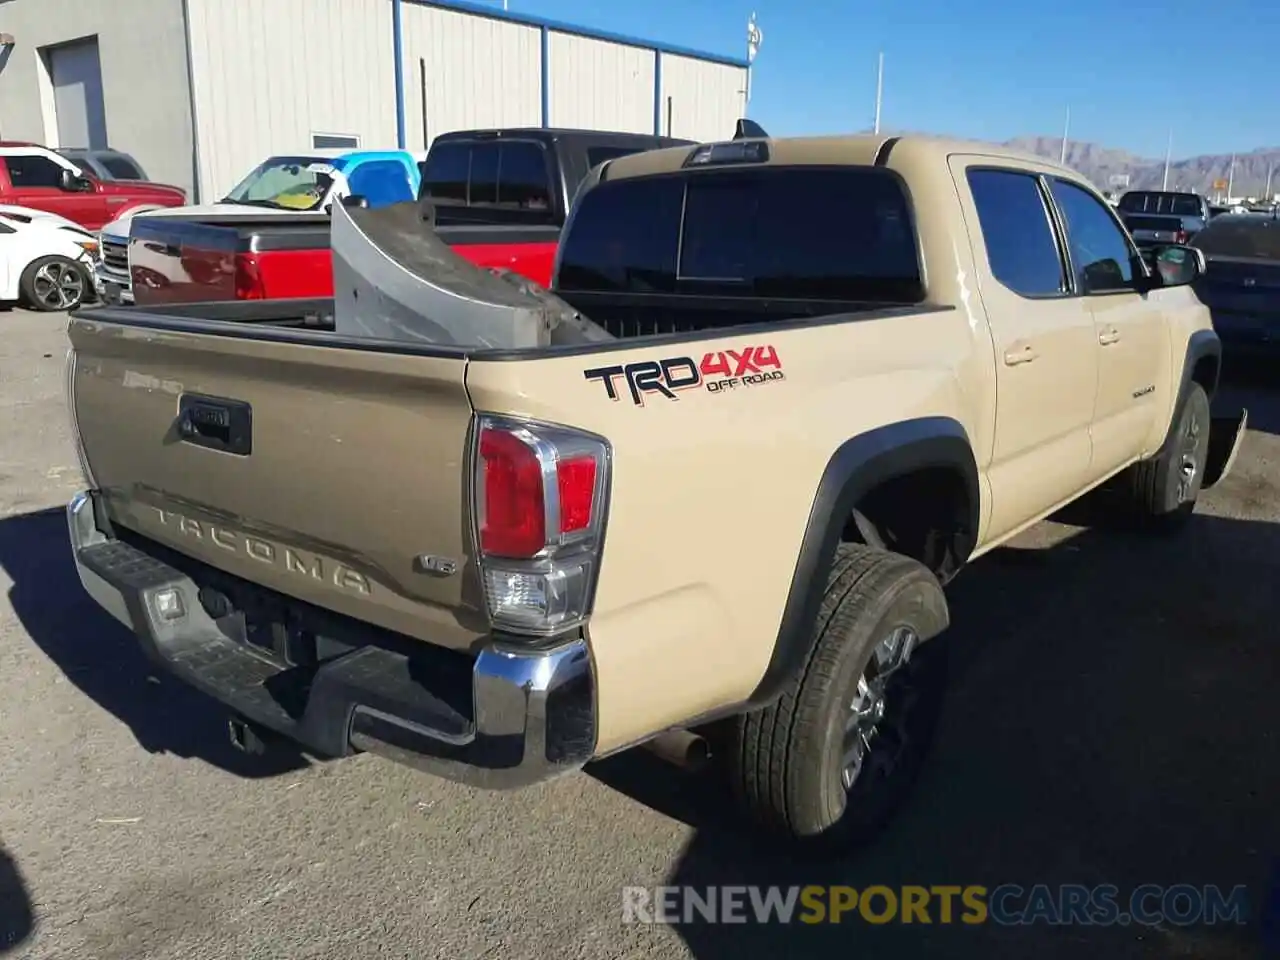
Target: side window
(444, 174)
(1018, 232)
(33, 171)
(122, 169)
(380, 181)
(1100, 251)
(522, 177)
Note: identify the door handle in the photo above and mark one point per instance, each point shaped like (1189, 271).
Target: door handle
(1108, 337)
(1024, 353)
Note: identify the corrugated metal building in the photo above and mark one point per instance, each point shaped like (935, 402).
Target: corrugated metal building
(201, 90)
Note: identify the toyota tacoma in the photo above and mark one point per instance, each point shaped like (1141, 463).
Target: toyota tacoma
(708, 488)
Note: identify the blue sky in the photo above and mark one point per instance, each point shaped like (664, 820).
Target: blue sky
(991, 69)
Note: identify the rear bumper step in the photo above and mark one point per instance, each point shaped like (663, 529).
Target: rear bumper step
(531, 715)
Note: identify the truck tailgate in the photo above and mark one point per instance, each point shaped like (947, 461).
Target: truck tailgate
(335, 476)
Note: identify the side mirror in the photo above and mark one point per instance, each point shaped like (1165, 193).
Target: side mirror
(72, 183)
(356, 200)
(1178, 265)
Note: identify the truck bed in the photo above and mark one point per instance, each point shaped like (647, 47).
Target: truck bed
(239, 256)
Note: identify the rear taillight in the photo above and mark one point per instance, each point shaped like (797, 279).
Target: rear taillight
(541, 496)
(1181, 236)
(249, 283)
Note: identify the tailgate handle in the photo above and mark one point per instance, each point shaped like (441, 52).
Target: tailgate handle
(216, 423)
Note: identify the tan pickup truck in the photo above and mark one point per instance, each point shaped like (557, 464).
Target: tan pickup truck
(832, 373)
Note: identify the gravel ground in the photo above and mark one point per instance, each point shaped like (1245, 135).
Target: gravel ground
(1112, 720)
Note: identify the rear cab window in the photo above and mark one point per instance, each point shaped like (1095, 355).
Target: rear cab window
(121, 168)
(788, 233)
(1162, 202)
(490, 181)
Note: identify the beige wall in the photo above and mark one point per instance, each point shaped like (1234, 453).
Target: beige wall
(271, 73)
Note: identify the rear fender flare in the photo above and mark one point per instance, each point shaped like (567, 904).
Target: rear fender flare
(858, 466)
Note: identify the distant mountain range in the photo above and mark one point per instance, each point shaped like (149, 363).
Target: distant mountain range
(1100, 164)
(1197, 174)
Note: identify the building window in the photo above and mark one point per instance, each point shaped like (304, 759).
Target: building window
(334, 141)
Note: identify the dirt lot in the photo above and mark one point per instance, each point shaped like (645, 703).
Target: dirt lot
(1113, 720)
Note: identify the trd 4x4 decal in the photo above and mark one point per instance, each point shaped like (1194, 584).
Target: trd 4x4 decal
(721, 371)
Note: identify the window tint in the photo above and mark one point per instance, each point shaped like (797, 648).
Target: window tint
(381, 182)
(1185, 205)
(33, 171)
(508, 175)
(812, 234)
(444, 175)
(624, 237)
(1100, 251)
(1017, 231)
(121, 168)
(484, 174)
(522, 177)
(1155, 201)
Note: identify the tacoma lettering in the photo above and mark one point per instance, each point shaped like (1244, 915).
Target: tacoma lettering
(286, 559)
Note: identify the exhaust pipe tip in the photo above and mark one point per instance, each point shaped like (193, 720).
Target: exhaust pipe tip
(245, 738)
(686, 750)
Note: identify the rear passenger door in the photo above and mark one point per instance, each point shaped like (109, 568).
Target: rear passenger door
(1046, 352)
(1133, 343)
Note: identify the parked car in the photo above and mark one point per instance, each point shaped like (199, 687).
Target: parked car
(46, 261)
(706, 490)
(1241, 283)
(33, 176)
(288, 185)
(499, 196)
(105, 164)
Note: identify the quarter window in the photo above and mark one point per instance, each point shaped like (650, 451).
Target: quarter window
(1100, 251)
(1018, 232)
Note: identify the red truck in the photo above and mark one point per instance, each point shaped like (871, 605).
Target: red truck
(36, 177)
(499, 198)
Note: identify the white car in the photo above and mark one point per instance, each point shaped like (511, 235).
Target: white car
(46, 261)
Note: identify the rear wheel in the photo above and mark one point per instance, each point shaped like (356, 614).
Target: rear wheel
(828, 764)
(54, 283)
(1165, 488)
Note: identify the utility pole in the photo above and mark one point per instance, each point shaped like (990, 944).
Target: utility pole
(1168, 155)
(1066, 128)
(1231, 175)
(754, 38)
(879, 90)
(1270, 169)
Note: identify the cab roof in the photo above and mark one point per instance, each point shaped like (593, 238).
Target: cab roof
(848, 150)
